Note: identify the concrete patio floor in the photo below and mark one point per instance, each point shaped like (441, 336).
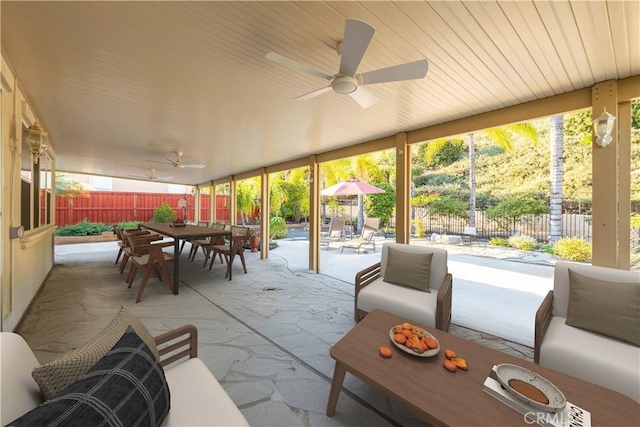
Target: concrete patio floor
(265, 335)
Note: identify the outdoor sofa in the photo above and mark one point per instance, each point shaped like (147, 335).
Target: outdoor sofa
(196, 397)
(588, 326)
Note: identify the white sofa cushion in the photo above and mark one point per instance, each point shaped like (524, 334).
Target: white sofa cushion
(402, 301)
(19, 393)
(592, 357)
(197, 399)
(438, 262)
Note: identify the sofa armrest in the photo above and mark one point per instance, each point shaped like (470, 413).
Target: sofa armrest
(177, 344)
(443, 304)
(543, 318)
(363, 278)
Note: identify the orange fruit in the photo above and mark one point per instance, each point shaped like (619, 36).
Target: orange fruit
(385, 352)
(397, 329)
(407, 333)
(449, 365)
(407, 325)
(450, 354)
(431, 343)
(400, 339)
(460, 363)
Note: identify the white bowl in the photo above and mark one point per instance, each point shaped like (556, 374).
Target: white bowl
(507, 372)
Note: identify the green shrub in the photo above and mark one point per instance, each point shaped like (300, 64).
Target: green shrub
(128, 225)
(164, 213)
(381, 205)
(523, 242)
(573, 248)
(499, 241)
(83, 228)
(278, 227)
(546, 248)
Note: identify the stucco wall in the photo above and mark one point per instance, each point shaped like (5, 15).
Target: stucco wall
(26, 261)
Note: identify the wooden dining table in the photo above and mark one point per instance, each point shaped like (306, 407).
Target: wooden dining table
(187, 232)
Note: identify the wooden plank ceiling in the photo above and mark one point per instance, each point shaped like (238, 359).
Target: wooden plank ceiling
(119, 83)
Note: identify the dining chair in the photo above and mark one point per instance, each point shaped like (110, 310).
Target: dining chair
(126, 249)
(239, 235)
(206, 244)
(148, 257)
(199, 224)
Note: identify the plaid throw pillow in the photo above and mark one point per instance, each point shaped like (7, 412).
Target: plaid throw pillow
(126, 387)
(54, 376)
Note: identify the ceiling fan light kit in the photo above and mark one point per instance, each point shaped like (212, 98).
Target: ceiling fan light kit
(357, 36)
(344, 84)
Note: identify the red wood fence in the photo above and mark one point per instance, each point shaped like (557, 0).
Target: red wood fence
(112, 207)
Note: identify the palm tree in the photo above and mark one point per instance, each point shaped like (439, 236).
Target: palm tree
(66, 186)
(555, 201)
(472, 181)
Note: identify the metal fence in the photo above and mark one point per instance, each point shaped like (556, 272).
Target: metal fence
(537, 226)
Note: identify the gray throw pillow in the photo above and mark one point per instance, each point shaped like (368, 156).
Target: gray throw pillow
(607, 308)
(408, 269)
(56, 375)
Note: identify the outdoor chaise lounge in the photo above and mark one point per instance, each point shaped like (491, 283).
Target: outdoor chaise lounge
(336, 231)
(370, 227)
(409, 281)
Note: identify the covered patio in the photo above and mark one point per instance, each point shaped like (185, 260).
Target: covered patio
(265, 335)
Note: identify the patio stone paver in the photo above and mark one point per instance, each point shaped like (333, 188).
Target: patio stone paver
(265, 335)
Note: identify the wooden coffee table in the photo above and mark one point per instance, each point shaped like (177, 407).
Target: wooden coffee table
(444, 398)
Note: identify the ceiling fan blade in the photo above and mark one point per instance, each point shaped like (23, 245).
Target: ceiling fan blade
(408, 71)
(194, 164)
(290, 63)
(357, 35)
(174, 162)
(363, 97)
(163, 178)
(162, 163)
(313, 94)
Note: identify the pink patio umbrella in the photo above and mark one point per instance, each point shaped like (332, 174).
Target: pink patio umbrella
(352, 187)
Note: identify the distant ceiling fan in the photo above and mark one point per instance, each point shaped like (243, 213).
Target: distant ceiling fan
(152, 176)
(179, 163)
(357, 36)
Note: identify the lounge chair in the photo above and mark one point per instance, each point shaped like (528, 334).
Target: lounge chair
(335, 233)
(365, 240)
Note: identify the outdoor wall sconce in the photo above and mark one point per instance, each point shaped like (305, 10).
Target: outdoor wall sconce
(36, 141)
(602, 127)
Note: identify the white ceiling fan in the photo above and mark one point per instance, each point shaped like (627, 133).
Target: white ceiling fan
(357, 36)
(179, 163)
(152, 176)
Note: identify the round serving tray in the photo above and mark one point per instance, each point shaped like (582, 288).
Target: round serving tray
(428, 353)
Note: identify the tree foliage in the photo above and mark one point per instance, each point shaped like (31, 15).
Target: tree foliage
(381, 205)
(443, 152)
(66, 186)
